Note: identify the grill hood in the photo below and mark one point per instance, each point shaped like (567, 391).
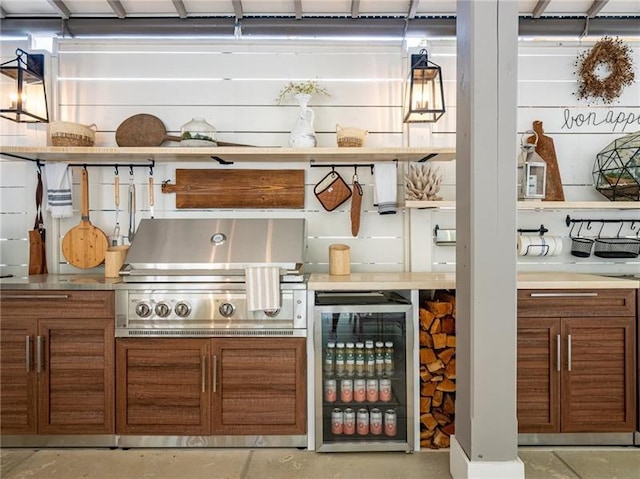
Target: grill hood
(205, 247)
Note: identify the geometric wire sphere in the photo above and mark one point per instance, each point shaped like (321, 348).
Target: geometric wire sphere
(616, 171)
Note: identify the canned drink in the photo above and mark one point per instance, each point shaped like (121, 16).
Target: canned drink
(330, 390)
(346, 390)
(385, 390)
(363, 422)
(349, 419)
(359, 390)
(372, 390)
(376, 422)
(390, 423)
(337, 425)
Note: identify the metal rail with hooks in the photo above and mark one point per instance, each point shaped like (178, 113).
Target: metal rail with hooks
(621, 221)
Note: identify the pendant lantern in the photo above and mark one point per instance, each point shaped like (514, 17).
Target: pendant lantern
(23, 97)
(424, 93)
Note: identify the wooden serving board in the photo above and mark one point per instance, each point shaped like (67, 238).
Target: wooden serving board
(237, 188)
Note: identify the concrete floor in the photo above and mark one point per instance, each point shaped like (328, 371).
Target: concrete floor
(540, 463)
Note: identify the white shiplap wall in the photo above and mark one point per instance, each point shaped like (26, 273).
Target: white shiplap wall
(234, 85)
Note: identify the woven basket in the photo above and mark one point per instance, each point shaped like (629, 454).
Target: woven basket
(350, 137)
(66, 133)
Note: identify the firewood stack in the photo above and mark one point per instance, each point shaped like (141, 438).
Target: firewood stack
(437, 370)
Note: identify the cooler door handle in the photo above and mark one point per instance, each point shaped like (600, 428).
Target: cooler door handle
(28, 353)
(558, 346)
(569, 352)
(203, 373)
(215, 374)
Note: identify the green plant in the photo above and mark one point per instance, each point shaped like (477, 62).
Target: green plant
(308, 87)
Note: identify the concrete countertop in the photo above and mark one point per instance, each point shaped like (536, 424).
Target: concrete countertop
(550, 280)
(356, 281)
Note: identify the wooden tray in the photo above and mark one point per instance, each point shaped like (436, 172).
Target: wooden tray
(217, 188)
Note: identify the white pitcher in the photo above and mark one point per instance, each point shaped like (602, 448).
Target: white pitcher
(303, 135)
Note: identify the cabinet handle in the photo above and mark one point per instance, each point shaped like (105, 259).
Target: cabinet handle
(564, 295)
(35, 296)
(215, 374)
(203, 373)
(558, 340)
(39, 352)
(569, 352)
(28, 352)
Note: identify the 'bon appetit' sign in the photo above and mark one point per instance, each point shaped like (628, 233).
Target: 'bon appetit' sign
(617, 120)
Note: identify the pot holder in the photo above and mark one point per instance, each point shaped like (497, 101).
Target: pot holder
(332, 191)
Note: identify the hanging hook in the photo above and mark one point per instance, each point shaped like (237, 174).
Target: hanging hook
(39, 166)
(573, 225)
(116, 167)
(131, 170)
(85, 167)
(601, 228)
(580, 228)
(355, 173)
(150, 170)
(620, 229)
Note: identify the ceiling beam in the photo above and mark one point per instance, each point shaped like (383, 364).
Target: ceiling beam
(595, 7)
(413, 8)
(540, 7)
(355, 8)
(237, 9)
(61, 8)
(297, 4)
(117, 7)
(180, 8)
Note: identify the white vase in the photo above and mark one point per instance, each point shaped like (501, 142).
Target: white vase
(303, 135)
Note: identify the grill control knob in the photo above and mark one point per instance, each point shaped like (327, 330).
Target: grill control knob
(143, 309)
(227, 309)
(163, 309)
(182, 309)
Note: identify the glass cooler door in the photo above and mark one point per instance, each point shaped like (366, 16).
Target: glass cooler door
(364, 371)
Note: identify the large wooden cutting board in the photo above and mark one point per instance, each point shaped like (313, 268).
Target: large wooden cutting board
(237, 188)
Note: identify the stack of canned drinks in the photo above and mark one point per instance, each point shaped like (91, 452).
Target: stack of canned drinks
(364, 422)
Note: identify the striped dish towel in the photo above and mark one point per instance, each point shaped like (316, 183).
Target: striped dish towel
(59, 199)
(263, 288)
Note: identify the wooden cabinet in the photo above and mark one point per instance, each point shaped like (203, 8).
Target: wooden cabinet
(576, 361)
(244, 386)
(56, 362)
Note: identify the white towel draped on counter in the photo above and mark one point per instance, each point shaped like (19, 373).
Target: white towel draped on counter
(59, 199)
(263, 288)
(386, 180)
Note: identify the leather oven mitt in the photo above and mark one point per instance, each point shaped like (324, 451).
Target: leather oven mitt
(37, 237)
(332, 191)
(356, 202)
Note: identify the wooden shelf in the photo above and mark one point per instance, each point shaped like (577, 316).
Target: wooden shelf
(79, 155)
(539, 205)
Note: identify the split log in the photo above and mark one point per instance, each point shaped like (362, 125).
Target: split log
(437, 370)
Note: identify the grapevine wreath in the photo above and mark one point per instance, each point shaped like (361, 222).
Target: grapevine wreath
(610, 53)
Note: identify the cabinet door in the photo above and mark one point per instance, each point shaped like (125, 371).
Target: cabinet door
(538, 378)
(162, 386)
(76, 383)
(598, 381)
(18, 375)
(260, 386)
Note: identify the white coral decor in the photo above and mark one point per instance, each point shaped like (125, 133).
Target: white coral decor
(422, 183)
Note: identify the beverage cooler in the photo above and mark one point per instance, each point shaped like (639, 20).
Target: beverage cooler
(364, 371)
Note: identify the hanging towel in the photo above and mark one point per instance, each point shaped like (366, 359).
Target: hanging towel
(59, 199)
(386, 180)
(263, 288)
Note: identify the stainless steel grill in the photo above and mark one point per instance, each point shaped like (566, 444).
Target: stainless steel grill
(186, 277)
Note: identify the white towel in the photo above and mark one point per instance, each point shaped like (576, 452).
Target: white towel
(263, 288)
(59, 198)
(386, 180)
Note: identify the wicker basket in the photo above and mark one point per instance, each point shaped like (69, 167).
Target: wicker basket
(66, 133)
(350, 137)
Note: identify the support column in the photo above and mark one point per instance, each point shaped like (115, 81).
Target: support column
(485, 444)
